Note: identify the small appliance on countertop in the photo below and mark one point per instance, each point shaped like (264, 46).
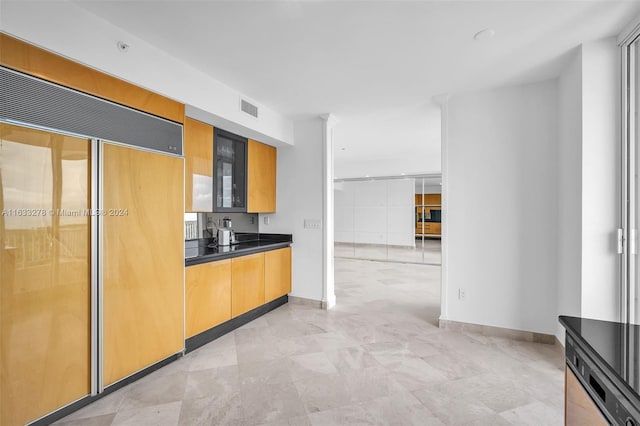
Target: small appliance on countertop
(226, 236)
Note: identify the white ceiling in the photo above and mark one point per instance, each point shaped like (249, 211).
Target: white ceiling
(374, 64)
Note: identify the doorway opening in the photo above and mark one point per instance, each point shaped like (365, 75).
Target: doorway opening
(391, 219)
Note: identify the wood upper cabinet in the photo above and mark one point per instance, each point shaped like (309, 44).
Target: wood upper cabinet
(277, 273)
(428, 199)
(143, 259)
(208, 301)
(261, 175)
(247, 283)
(432, 199)
(198, 173)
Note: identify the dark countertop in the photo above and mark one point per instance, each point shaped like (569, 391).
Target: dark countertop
(613, 346)
(200, 251)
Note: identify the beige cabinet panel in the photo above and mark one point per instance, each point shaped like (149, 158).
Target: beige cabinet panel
(143, 259)
(45, 291)
(261, 178)
(580, 410)
(432, 199)
(198, 171)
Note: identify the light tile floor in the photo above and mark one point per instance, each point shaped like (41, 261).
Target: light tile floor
(377, 358)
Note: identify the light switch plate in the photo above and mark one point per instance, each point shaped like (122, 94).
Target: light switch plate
(312, 224)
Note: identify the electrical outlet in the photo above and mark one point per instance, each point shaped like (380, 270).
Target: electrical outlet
(461, 294)
(312, 224)
(252, 220)
(266, 220)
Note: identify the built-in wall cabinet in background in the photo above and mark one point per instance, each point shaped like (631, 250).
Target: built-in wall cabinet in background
(388, 219)
(428, 215)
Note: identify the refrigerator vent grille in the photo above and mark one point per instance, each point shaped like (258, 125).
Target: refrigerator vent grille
(249, 108)
(29, 100)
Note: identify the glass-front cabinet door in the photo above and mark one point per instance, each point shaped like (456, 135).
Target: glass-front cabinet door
(230, 168)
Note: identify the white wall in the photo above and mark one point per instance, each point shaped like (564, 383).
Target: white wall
(600, 179)
(299, 197)
(428, 189)
(570, 190)
(388, 143)
(501, 207)
(71, 31)
(589, 183)
(551, 153)
(375, 212)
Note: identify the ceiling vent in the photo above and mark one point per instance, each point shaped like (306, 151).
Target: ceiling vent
(249, 108)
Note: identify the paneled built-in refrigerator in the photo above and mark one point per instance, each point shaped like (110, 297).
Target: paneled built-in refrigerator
(92, 247)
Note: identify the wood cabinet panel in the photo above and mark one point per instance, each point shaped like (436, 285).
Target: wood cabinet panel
(24, 57)
(432, 199)
(261, 175)
(198, 155)
(580, 410)
(143, 260)
(277, 273)
(247, 283)
(432, 228)
(208, 302)
(45, 291)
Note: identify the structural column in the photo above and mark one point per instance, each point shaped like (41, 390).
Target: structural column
(328, 292)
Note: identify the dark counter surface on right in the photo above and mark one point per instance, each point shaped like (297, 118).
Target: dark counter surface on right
(614, 346)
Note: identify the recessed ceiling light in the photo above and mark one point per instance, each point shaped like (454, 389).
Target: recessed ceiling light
(402, 174)
(366, 175)
(485, 34)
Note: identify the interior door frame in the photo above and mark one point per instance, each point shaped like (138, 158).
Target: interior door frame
(629, 190)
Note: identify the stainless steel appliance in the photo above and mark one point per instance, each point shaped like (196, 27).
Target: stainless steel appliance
(598, 400)
(224, 237)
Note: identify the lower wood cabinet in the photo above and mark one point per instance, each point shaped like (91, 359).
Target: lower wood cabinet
(224, 289)
(430, 228)
(208, 296)
(580, 410)
(247, 283)
(277, 273)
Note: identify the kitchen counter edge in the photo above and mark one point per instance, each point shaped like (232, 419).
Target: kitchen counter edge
(266, 245)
